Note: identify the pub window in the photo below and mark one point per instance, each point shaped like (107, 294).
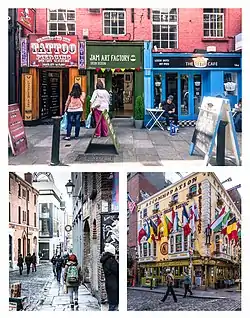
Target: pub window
(19, 189)
(114, 22)
(230, 83)
(19, 215)
(61, 22)
(174, 197)
(178, 243)
(213, 23)
(193, 189)
(157, 90)
(145, 212)
(165, 28)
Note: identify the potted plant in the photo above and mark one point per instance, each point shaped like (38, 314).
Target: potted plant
(139, 112)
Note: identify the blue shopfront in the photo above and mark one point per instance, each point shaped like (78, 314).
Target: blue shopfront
(189, 77)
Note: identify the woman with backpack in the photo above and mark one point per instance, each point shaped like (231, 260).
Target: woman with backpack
(74, 108)
(73, 278)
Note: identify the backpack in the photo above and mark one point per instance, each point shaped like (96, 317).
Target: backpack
(72, 274)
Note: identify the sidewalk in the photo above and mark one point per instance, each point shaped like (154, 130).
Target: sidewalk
(56, 300)
(226, 293)
(140, 146)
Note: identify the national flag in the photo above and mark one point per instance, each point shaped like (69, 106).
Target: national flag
(225, 222)
(216, 224)
(175, 223)
(165, 225)
(153, 231)
(192, 220)
(169, 224)
(232, 229)
(159, 226)
(141, 234)
(185, 223)
(196, 212)
(147, 230)
(131, 203)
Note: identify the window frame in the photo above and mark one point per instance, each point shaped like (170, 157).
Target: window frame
(125, 23)
(161, 23)
(172, 242)
(211, 21)
(57, 22)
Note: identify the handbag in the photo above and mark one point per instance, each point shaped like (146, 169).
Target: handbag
(64, 122)
(88, 121)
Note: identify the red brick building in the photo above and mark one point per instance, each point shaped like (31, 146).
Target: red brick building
(23, 218)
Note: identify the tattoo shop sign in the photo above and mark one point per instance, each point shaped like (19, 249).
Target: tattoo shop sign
(53, 51)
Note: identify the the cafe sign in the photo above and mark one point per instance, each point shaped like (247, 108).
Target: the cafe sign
(113, 57)
(53, 51)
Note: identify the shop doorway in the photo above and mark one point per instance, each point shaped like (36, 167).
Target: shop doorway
(44, 251)
(53, 85)
(122, 94)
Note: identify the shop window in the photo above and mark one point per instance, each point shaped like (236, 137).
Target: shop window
(157, 90)
(178, 243)
(213, 23)
(114, 22)
(145, 212)
(230, 83)
(61, 22)
(165, 28)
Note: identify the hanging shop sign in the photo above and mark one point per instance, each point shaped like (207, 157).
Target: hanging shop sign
(109, 230)
(81, 55)
(17, 136)
(196, 62)
(24, 52)
(26, 17)
(114, 57)
(53, 51)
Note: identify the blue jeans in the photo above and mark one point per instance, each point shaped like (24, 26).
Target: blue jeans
(58, 274)
(238, 122)
(113, 307)
(77, 117)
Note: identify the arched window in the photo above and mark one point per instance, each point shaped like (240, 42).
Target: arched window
(193, 189)
(175, 197)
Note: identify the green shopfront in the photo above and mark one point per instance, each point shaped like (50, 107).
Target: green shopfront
(120, 67)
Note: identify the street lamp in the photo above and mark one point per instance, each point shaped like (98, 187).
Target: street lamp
(69, 187)
(227, 180)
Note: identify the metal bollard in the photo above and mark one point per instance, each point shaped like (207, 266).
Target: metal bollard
(221, 144)
(55, 141)
(151, 284)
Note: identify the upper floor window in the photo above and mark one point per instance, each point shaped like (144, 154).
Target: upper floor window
(24, 193)
(213, 23)
(114, 22)
(62, 22)
(145, 212)
(165, 28)
(193, 189)
(174, 197)
(156, 207)
(19, 189)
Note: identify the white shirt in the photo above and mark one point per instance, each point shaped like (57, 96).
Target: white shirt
(100, 98)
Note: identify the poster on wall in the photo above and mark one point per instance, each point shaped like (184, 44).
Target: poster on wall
(53, 51)
(26, 17)
(110, 230)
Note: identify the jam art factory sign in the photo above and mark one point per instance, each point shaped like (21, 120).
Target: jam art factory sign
(53, 51)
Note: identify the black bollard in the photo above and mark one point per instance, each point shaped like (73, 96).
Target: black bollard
(55, 141)
(221, 144)
(151, 284)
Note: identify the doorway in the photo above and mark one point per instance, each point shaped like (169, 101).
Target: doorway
(44, 251)
(53, 85)
(122, 94)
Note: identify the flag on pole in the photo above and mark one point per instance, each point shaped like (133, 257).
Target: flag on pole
(224, 222)
(169, 224)
(141, 234)
(165, 225)
(185, 223)
(216, 224)
(131, 203)
(153, 231)
(192, 220)
(175, 223)
(196, 212)
(159, 226)
(147, 230)
(231, 229)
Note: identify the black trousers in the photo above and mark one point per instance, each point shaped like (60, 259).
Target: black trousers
(167, 115)
(20, 269)
(28, 268)
(187, 289)
(170, 290)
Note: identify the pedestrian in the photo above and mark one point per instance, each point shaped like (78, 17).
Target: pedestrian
(73, 277)
(33, 261)
(170, 289)
(187, 283)
(20, 263)
(53, 261)
(74, 108)
(99, 103)
(59, 266)
(111, 271)
(238, 116)
(169, 111)
(28, 262)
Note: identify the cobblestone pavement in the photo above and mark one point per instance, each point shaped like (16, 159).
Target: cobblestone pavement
(139, 146)
(33, 284)
(147, 301)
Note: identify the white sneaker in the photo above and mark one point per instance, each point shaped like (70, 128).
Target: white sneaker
(168, 128)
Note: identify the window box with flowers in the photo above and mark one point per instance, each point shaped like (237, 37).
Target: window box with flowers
(172, 203)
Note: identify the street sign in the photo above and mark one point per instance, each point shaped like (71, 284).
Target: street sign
(68, 228)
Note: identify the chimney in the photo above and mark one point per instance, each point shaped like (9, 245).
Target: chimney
(28, 177)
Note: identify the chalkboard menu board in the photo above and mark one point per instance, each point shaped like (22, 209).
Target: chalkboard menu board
(49, 94)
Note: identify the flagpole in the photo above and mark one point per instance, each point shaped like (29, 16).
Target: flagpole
(191, 265)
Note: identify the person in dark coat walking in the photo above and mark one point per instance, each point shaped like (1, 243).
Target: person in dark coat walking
(20, 263)
(187, 282)
(53, 261)
(59, 266)
(33, 261)
(170, 284)
(28, 262)
(111, 271)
